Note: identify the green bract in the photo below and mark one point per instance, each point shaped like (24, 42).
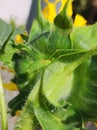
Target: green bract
(56, 73)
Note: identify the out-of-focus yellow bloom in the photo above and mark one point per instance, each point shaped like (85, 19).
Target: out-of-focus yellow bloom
(95, 124)
(7, 75)
(50, 11)
(10, 86)
(8, 69)
(19, 39)
(18, 112)
(79, 20)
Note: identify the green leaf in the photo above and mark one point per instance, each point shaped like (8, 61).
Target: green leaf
(27, 70)
(7, 46)
(25, 85)
(46, 119)
(5, 32)
(19, 101)
(85, 89)
(37, 106)
(23, 63)
(17, 31)
(68, 116)
(56, 87)
(84, 37)
(47, 46)
(7, 54)
(59, 78)
(42, 108)
(40, 25)
(27, 118)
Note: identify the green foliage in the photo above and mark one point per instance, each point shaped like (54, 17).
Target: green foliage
(86, 37)
(63, 21)
(5, 33)
(56, 74)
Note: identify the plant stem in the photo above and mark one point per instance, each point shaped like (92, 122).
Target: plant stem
(3, 107)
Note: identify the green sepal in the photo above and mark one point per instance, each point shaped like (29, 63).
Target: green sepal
(63, 21)
(40, 25)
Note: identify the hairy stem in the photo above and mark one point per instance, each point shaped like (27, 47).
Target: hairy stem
(3, 107)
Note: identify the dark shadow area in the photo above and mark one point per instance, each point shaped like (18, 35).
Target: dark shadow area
(87, 8)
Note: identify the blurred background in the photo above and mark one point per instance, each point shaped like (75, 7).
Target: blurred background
(23, 12)
(18, 10)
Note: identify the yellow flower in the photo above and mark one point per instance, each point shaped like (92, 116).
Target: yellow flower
(18, 112)
(8, 69)
(7, 75)
(95, 123)
(79, 20)
(50, 11)
(19, 39)
(10, 86)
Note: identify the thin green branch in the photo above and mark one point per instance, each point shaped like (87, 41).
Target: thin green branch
(3, 107)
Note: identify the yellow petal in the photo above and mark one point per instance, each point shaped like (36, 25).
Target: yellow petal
(95, 124)
(19, 39)
(79, 20)
(8, 69)
(10, 86)
(49, 11)
(18, 112)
